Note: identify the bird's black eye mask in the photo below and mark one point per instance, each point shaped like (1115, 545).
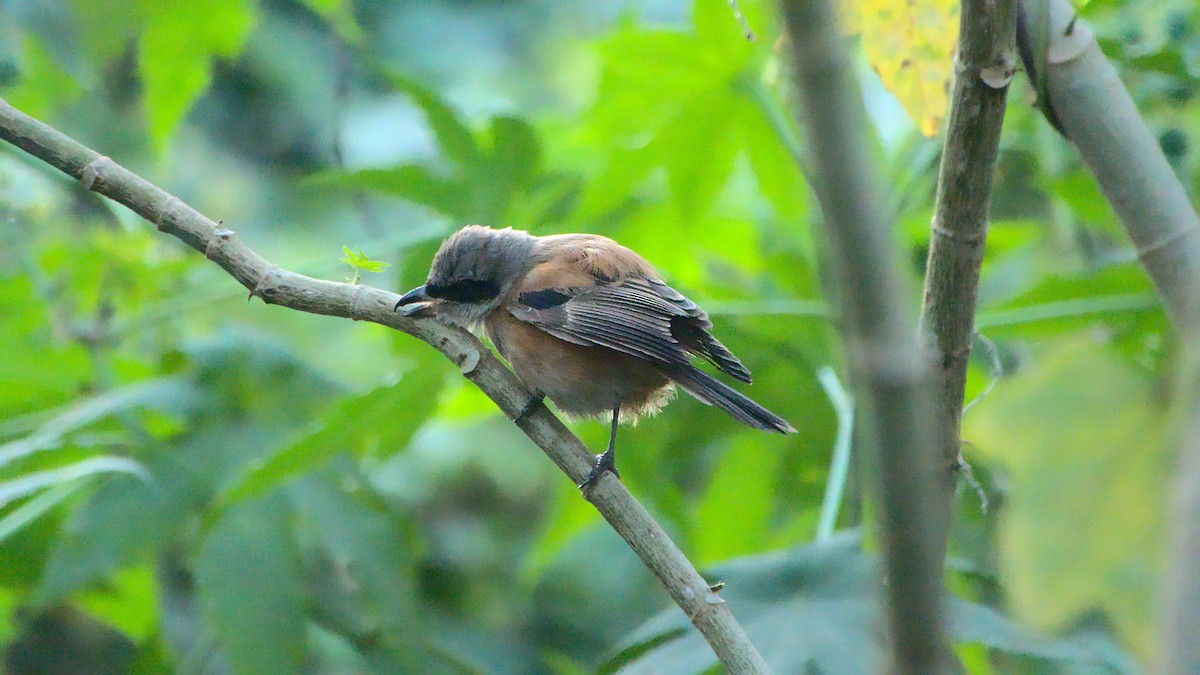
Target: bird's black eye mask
(463, 290)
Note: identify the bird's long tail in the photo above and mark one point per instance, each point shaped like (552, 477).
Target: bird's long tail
(710, 391)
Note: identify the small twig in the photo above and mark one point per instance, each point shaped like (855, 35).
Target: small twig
(295, 291)
(997, 371)
(741, 19)
(967, 472)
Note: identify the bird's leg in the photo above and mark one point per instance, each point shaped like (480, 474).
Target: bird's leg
(607, 461)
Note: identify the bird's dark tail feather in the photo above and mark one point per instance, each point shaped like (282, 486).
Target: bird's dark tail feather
(710, 391)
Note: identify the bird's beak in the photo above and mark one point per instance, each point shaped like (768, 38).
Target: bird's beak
(412, 297)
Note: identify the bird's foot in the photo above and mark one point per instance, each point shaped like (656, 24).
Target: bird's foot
(604, 462)
(530, 405)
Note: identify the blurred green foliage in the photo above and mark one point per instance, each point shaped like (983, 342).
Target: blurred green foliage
(193, 483)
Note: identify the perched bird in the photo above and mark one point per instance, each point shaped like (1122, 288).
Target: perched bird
(586, 322)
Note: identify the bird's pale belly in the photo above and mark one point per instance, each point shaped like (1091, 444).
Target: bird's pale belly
(582, 381)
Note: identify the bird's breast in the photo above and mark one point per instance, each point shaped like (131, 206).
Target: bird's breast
(582, 381)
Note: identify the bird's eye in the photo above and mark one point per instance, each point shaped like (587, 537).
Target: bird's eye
(463, 290)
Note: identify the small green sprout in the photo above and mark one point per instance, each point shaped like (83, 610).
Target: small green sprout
(359, 261)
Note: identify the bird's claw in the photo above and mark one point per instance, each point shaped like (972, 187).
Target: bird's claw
(603, 463)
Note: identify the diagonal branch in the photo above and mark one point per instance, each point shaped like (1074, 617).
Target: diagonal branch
(277, 286)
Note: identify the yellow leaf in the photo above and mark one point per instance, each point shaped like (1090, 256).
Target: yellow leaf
(910, 44)
(1085, 442)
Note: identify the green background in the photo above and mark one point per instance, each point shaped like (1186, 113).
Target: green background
(191, 482)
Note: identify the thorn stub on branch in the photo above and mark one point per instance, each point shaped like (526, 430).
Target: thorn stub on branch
(468, 362)
(92, 171)
(999, 74)
(261, 285)
(219, 236)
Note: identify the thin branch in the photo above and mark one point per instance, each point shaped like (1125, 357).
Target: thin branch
(277, 286)
(984, 65)
(888, 370)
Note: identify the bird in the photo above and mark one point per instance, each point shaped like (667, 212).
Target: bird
(587, 323)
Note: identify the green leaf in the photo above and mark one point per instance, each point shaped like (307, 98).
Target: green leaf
(1083, 439)
(178, 44)
(29, 483)
(18, 518)
(121, 521)
(340, 15)
(818, 606)
(745, 476)
(358, 260)
(168, 395)
(249, 585)
(380, 422)
(364, 563)
(417, 184)
(452, 135)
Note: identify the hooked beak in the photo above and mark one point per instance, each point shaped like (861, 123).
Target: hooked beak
(414, 296)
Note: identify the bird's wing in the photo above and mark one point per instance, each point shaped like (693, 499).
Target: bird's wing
(641, 316)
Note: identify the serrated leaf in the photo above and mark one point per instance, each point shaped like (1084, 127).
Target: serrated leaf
(381, 421)
(177, 47)
(452, 135)
(359, 260)
(249, 586)
(818, 607)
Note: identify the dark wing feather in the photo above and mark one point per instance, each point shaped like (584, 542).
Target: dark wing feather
(640, 316)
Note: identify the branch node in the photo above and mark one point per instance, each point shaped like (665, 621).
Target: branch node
(220, 235)
(261, 285)
(92, 171)
(973, 238)
(355, 298)
(1167, 239)
(999, 73)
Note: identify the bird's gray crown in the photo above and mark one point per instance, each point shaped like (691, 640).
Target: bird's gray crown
(475, 267)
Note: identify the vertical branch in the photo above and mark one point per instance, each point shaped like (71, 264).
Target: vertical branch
(1180, 648)
(888, 370)
(983, 66)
